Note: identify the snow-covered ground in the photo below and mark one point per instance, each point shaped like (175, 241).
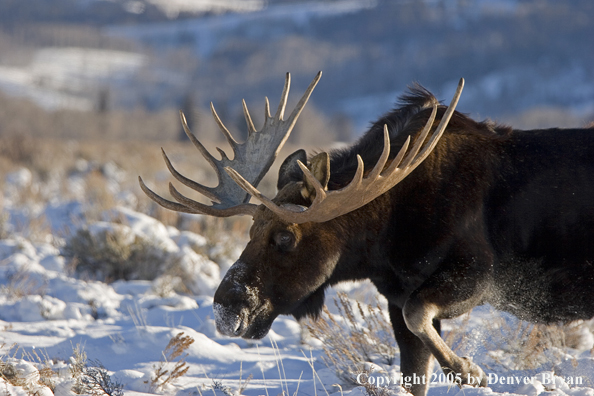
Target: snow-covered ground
(51, 317)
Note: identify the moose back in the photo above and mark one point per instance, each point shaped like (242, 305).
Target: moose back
(442, 213)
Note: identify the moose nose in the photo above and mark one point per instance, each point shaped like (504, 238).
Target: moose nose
(233, 301)
(230, 308)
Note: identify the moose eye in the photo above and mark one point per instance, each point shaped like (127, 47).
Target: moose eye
(284, 240)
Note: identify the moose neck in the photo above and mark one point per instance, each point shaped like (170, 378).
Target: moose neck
(384, 240)
(359, 236)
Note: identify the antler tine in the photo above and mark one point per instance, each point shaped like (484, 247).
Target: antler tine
(230, 139)
(248, 118)
(280, 112)
(164, 202)
(266, 110)
(303, 101)
(207, 156)
(379, 166)
(398, 159)
(420, 140)
(208, 192)
(357, 179)
(444, 121)
(210, 210)
(312, 179)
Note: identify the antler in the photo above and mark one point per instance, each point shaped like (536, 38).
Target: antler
(251, 159)
(361, 190)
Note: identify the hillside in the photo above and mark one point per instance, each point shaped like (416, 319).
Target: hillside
(524, 61)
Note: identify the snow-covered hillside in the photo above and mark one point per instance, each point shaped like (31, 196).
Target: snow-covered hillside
(516, 56)
(63, 331)
(58, 78)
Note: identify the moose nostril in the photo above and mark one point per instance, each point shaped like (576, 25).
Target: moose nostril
(237, 326)
(229, 322)
(240, 323)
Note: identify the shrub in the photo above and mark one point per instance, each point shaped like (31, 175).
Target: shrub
(114, 253)
(93, 379)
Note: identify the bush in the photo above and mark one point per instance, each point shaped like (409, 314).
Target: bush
(114, 253)
(91, 379)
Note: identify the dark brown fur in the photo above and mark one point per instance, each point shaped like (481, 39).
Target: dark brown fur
(493, 215)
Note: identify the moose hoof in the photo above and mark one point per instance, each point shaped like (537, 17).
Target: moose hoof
(467, 373)
(472, 374)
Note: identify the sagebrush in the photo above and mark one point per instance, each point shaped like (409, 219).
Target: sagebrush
(349, 342)
(114, 254)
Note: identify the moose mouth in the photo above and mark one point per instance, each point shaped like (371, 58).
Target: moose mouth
(245, 324)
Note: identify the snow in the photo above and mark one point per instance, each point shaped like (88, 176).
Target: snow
(211, 32)
(50, 315)
(173, 7)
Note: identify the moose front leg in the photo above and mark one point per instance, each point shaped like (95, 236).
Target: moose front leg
(419, 319)
(451, 291)
(415, 358)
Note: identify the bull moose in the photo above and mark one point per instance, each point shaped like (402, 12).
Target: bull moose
(474, 213)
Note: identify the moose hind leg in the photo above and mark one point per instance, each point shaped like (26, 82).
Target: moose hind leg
(415, 358)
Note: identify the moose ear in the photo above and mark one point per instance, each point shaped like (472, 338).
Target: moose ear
(319, 166)
(289, 170)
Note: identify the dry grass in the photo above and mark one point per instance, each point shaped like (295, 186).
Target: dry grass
(96, 381)
(21, 284)
(516, 344)
(360, 334)
(528, 346)
(457, 338)
(4, 226)
(89, 379)
(173, 363)
(44, 364)
(348, 344)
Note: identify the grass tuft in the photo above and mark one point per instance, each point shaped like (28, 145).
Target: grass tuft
(175, 349)
(348, 344)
